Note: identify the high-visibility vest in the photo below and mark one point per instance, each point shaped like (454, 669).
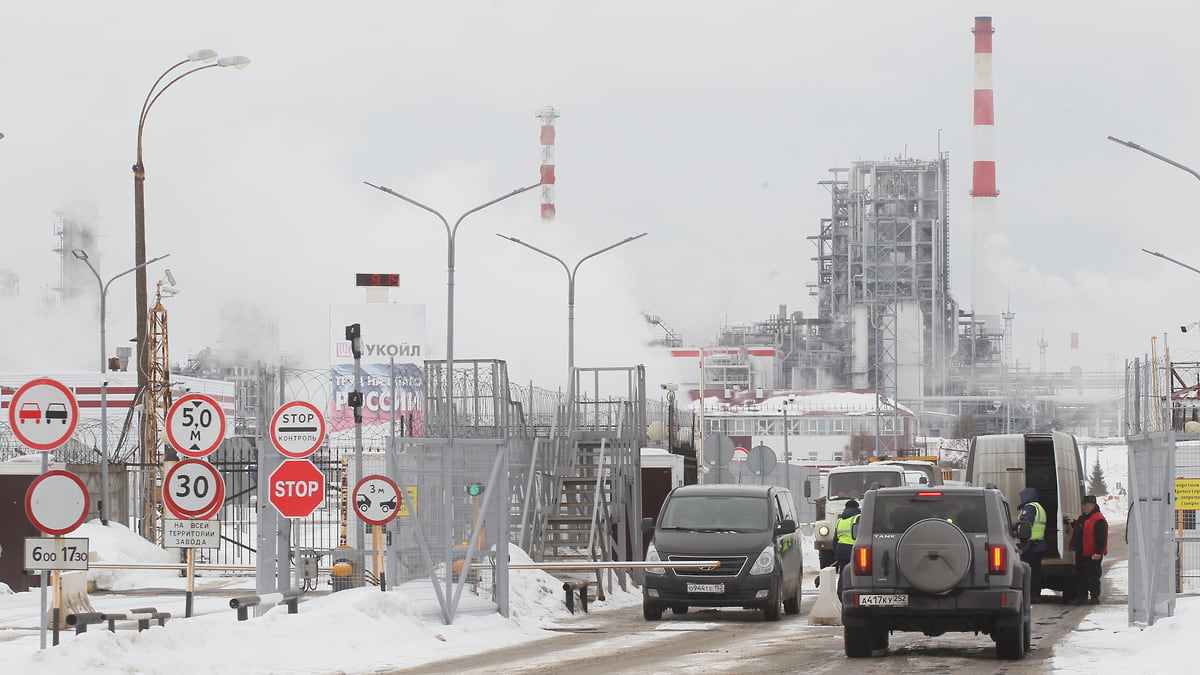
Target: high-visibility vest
(845, 529)
(1039, 522)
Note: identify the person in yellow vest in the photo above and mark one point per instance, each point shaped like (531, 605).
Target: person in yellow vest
(1035, 549)
(844, 532)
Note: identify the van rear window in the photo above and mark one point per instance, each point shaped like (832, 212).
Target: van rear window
(895, 513)
(854, 484)
(713, 512)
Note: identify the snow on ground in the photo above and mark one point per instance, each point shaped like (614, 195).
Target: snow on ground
(366, 630)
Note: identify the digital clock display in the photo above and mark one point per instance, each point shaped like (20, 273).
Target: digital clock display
(361, 279)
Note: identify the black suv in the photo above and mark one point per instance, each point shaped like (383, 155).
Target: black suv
(936, 560)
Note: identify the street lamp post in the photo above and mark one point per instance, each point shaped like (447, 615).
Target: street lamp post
(571, 298)
(451, 235)
(787, 452)
(81, 254)
(210, 58)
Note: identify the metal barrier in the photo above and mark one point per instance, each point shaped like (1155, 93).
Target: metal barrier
(581, 586)
(245, 602)
(143, 617)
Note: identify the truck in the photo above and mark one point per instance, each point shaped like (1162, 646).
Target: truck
(842, 484)
(1050, 463)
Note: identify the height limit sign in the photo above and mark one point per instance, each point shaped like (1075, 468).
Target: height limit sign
(195, 425)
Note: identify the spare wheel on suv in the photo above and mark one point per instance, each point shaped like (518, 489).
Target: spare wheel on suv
(933, 555)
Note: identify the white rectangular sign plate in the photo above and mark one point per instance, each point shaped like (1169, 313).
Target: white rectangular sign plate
(191, 533)
(56, 553)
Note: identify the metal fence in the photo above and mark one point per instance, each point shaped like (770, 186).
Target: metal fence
(1157, 558)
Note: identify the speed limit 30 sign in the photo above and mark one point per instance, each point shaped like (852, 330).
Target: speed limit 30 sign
(195, 425)
(193, 488)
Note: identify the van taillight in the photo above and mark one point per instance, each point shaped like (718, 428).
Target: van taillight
(862, 560)
(997, 560)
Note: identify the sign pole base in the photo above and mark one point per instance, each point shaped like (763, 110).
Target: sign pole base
(191, 574)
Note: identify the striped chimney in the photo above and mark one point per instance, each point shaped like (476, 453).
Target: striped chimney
(986, 287)
(546, 116)
(1076, 370)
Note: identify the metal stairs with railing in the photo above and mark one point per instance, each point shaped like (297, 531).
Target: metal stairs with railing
(572, 531)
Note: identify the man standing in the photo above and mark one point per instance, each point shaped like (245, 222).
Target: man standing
(843, 549)
(1090, 543)
(1035, 549)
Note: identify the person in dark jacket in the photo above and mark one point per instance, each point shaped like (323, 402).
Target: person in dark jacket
(1035, 549)
(1089, 541)
(844, 532)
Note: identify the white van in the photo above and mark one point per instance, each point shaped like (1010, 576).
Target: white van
(1050, 463)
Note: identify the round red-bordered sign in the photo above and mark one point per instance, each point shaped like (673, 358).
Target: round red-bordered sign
(195, 425)
(297, 429)
(193, 489)
(376, 499)
(57, 502)
(43, 413)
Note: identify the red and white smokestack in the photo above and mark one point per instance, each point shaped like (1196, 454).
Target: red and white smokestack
(986, 287)
(546, 116)
(1076, 369)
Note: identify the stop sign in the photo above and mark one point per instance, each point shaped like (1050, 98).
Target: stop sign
(297, 487)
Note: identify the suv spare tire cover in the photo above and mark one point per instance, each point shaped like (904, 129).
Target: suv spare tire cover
(933, 555)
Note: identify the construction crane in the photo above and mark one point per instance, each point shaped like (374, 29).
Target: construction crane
(157, 399)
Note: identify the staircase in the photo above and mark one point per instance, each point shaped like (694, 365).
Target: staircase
(572, 531)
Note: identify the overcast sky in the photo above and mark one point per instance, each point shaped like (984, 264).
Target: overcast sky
(706, 124)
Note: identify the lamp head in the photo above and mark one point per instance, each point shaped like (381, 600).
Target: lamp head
(204, 55)
(238, 62)
(80, 253)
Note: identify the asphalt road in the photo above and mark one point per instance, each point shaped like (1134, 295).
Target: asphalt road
(731, 640)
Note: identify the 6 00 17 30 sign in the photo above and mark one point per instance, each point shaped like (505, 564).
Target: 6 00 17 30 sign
(52, 553)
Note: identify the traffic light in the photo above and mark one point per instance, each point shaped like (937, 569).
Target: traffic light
(475, 489)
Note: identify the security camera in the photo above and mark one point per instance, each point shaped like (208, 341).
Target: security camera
(170, 277)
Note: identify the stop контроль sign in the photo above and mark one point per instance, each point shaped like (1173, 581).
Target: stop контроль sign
(297, 429)
(296, 488)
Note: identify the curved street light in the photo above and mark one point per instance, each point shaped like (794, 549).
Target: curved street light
(81, 254)
(570, 298)
(447, 497)
(206, 56)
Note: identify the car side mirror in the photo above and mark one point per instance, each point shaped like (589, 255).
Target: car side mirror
(854, 530)
(787, 526)
(648, 525)
(1023, 530)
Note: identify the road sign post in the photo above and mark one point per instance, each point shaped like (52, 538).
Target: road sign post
(195, 489)
(56, 503)
(377, 500)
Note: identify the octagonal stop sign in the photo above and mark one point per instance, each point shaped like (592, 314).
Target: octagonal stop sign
(297, 487)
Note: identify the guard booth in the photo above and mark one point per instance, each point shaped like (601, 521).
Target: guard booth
(16, 475)
(661, 473)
